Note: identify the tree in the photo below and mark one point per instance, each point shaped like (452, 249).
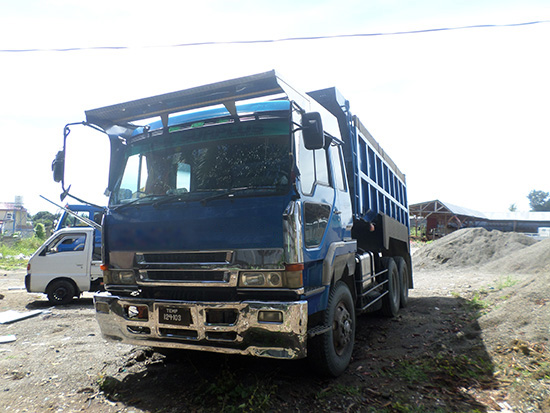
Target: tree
(40, 231)
(539, 200)
(45, 218)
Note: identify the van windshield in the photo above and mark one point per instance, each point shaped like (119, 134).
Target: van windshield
(197, 162)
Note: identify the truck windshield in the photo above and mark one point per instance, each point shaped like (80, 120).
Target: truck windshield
(196, 162)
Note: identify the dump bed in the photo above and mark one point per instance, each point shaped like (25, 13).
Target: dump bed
(376, 183)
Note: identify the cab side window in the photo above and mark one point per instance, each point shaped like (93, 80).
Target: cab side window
(313, 167)
(67, 243)
(321, 167)
(338, 170)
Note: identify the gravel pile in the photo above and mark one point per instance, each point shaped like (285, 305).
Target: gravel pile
(477, 247)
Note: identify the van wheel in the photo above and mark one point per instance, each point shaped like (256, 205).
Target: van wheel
(403, 271)
(60, 292)
(330, 353)
(390, 301)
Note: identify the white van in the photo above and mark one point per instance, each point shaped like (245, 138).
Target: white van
(66, 265)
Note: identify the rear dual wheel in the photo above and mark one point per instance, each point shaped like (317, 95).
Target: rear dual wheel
(392, 300)
(403, 271)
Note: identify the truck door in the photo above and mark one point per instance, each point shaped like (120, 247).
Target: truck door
(318, 198)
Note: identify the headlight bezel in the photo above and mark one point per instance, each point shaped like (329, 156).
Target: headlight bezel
(270, 279)
(119, 277)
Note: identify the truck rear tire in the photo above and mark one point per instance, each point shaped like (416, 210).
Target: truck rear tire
(60, 292)
(391, 301)
(403, 271)
(330, 353)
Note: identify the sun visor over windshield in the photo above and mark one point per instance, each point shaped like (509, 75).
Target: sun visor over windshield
(248, 87)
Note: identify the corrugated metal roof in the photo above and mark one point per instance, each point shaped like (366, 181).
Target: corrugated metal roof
(458, 210)
(492, 216)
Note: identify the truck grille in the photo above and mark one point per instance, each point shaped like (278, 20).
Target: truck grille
(183, 276)
(190, 269)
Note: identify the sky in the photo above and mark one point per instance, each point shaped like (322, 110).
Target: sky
(463, 113)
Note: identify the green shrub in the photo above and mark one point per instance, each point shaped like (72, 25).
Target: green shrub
(40, 231)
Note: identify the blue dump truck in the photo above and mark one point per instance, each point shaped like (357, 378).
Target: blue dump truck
(247, 217)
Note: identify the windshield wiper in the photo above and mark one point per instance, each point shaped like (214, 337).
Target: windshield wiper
(232, 191)
(170, 198)
(134, 201)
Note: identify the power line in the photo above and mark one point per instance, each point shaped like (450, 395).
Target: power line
(287, 39)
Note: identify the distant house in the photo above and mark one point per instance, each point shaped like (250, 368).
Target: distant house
(437, 218)
(13, 219)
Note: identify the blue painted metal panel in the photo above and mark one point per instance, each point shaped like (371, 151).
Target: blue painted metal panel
(220, 224)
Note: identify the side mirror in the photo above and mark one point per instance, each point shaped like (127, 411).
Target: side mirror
(312, 129)
(58, 166)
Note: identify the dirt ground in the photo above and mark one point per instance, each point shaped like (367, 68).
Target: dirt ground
(469, 341)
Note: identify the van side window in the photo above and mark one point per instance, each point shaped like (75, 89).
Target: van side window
(67, 243)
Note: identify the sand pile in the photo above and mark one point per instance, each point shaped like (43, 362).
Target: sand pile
(522, 311)
(493, 250)
(532, 260)
(519, 312)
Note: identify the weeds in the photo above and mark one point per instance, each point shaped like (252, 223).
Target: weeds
(16, 256)
(509, 281)
(339, 390)
(412, 371)
(233, 395)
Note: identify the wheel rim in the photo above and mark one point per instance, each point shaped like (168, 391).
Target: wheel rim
(60, 293)
(342, 328)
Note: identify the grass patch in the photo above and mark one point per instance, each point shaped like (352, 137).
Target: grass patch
(15, 256)
(339, 390)
(413, 371)
(231, 394)
(477, 305)
(448, 368)
(509, 281)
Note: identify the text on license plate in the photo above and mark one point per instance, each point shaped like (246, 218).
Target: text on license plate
(175, 315)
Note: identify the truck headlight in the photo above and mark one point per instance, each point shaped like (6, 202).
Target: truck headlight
(261, 279)
(119, 277)
(271, 279)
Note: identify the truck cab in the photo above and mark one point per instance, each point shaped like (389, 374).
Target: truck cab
(65, 266)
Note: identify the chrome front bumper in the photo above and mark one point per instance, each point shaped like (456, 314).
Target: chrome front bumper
(232, 327)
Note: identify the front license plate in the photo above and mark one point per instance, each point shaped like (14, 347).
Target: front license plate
(175, 315)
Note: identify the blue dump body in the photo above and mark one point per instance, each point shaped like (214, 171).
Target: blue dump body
(249, 218)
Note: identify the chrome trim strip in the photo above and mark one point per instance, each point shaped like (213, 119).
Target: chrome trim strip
(230, 280)
(297, 291)
(315, 291)
(292, 233)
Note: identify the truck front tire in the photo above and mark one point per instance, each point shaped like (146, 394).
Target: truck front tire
(60, 292)
(330, 353)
